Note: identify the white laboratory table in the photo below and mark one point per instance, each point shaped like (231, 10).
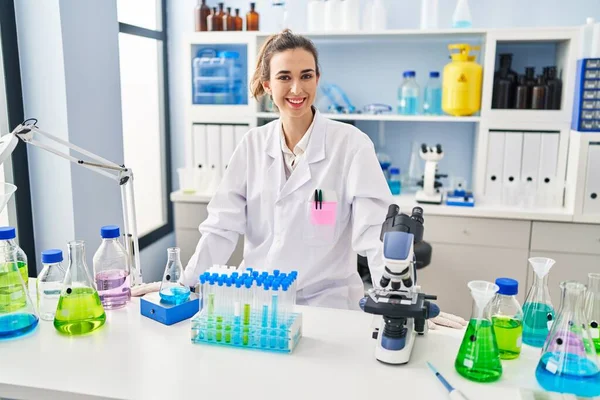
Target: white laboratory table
(133, 357)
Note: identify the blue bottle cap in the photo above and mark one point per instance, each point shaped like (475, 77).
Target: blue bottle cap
(220, 281)
(267, 285)
(434, 74)
(294, 273)
(234, 275)
(228, 282)
(238, 283)
(265, 274)
(249, 270)
(52, 256)
(255, 274)
(110, 232)
(409, 74)
(283, 275)
(215, 275)
(394, 171)
(248, 284)
(508, 286)
(275, 272)
(239, 280)
(7, 232)
(202, 279)
(245, 276)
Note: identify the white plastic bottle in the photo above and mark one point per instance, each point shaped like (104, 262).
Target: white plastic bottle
(378, 16)
(429, 14)
(350, 15)
(333, 11)
(316, 16)
(587, 32)
(111, 270)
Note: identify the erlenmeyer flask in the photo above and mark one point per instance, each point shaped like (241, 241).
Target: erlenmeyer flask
(569, 363)
(592, 308)
(478, 358)
(79, 309)
(538, 312)
(19, 316)
(172, 290)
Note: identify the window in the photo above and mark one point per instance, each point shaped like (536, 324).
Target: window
(16, 170)
(142, 53)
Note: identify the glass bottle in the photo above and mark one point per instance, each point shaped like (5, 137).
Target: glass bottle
(462, 15)
(592, 308)
(112, 269)
(18, 315)
(569, 363)
(219, 17)
(538, 311)
(211, 20)
(252, 18)
(49, 283)
(228, 21)
(238, 21)
(394, 181)
(172, 290)
(79, 309)
(538, 94)
(408, 95)
(507, 319)
(432, 96)
(8, 282)
(478, 358)
(201, 13)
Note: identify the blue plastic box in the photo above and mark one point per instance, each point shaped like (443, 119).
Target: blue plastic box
(168, 314)
(586, 104)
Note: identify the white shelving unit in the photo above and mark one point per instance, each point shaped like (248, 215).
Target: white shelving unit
(565, 41)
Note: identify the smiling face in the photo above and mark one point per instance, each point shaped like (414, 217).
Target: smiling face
(293, 82)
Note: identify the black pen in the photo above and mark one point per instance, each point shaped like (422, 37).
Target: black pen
(321, 199)
(316, 199)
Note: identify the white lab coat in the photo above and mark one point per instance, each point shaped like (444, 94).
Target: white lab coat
(254, 199)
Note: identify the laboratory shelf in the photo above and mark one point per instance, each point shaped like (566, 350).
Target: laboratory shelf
(384, 117)
(434, 34)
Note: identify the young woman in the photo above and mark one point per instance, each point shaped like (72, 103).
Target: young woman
(268, 192)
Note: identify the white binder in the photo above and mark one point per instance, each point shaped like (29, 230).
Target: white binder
(227, 145)
(591, 200)
(200, 145)
(511, 171)
(493, 170)
(530, 162)
(214, 163)
(549, 191)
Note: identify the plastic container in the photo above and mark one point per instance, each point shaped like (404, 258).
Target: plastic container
(569, 363)
(217, 77)
(478, 358)
(461, 85)
(49, 283)
(462, 15)
(408, 95)
(538, 311)
(429, 14)
(316, 16)
(8, 280)
(394, 181)
(432, 95)
(507, 318)
(112, 270)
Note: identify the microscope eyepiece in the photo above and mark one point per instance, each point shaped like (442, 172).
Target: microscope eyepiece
(417, 214)
(384, 281)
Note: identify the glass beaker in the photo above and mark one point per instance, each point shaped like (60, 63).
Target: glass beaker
(18, 315)
(592, 308)
(79, 309)
(172, 290)
(538, 311)
(478, 358)
(569, 363)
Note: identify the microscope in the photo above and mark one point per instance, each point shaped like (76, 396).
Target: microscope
(431, 193)
(400, 302)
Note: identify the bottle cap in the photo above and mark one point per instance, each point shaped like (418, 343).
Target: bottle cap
(202, 279)
(394, 171)
(508, 287)
(275, 272)
(248, 283)
(434, 74)
(255, 274)
(110, 232)
(52, 256)
(7, 232)
(409, 74)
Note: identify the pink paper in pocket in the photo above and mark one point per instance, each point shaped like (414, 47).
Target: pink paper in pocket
(325, 215)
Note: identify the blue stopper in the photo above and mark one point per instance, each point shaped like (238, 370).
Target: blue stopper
(7, 233)
(52, 256)
(507, 286)
(110, 232)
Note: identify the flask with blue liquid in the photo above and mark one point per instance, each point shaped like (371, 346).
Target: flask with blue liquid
(394, 181)
(408, 94)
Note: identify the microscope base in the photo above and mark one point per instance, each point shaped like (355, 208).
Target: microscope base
(423, 197)
(396, 357)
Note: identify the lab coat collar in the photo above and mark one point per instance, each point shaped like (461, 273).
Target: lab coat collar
(314, 153)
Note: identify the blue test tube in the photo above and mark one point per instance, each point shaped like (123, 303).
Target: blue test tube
(265, 299)
(276, 273)
(203, 293)
(237, 313)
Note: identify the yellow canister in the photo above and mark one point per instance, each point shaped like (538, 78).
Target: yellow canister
(461, 86)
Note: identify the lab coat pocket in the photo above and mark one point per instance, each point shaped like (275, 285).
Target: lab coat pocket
(321, 221)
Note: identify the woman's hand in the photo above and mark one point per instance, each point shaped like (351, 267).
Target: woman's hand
(447, 320)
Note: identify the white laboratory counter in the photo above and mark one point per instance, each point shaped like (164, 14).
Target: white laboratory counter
(133, 357)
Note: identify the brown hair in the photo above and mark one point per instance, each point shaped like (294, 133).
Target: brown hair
(286, 40)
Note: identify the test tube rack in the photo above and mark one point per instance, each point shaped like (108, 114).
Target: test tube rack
(225, 331)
